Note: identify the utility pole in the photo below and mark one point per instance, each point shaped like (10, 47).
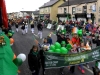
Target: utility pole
(68, 11)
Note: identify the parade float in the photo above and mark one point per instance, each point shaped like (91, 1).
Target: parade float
(9, 62)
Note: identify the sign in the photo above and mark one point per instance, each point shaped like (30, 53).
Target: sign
(60, 27)
(54, 60)
(94, 8)
(49, 26)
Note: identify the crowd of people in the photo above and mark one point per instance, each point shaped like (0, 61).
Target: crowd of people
(36, 56)
(79, 44)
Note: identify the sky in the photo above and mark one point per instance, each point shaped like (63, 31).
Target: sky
(23, 5)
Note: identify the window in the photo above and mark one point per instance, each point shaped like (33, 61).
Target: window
(84, 9)
(65, 10)
(73, 10)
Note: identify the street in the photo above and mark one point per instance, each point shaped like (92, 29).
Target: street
(23, 44)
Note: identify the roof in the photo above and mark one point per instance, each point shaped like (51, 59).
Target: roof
(36, 12)
(50, 3)
(27, 11)
(75, 2)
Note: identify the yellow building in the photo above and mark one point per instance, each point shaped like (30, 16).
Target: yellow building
(50, 9)
(80, 10)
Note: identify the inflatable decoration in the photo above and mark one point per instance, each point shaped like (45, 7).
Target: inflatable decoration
(51, 51)
(64, 50)
(57, 45)
(57, 51)
(8, 61)
(22, 57)
(11, 41)
(56, 48)
(52, 47)
(17, 61)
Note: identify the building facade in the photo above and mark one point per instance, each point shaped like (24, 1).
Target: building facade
(80, 10)
(50, 9)
(35, 15)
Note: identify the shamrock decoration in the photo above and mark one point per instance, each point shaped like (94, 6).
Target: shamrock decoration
(2, 41)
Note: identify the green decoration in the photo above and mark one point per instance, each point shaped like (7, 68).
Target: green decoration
(52, 47)
(9, 34)
(13, 32)
(7, 67)
(57, 45)
(69, 46)
(17, 61)
(68, 49)
(51, 51)
(63, 43)
(64, 50)
(58, 51)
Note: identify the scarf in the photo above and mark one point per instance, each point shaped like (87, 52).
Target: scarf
(35, 53)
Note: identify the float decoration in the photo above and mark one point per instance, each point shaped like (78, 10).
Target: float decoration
(7, 67)
(2, 41)
(56, 48)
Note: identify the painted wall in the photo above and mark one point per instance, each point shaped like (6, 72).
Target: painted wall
(54, 10)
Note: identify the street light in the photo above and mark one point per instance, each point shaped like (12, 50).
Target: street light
(68, 11)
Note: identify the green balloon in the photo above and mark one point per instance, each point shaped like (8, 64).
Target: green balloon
(9, 34)
(51, 51)
(52, 47)
(69, 46)
(13, 32)
(58, 51)
(64, 50)
(68, 49)
(57, 45)
(17, 61)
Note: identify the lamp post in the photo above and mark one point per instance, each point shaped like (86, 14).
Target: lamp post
(68, 11)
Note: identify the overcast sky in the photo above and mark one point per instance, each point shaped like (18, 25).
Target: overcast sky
(23, 5)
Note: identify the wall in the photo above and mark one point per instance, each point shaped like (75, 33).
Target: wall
(54, 10)
(46, 10)
(98, 12)
(79, 9)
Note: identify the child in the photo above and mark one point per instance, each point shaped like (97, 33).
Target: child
(49, 39)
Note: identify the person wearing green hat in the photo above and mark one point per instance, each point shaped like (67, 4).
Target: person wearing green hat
(63, 44)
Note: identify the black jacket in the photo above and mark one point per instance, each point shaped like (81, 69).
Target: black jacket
(16, 25)
(42, 56)
(40, 27)
(60, 39)
(32, 25)
(33, 61)
(97, 42)
(23, 27)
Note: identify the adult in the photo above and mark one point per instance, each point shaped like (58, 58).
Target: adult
(33, 60)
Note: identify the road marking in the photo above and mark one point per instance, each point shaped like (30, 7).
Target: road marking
(88, 69)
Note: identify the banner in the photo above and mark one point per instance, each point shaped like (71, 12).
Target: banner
(49, 26)
(60, 27)
(54, 60)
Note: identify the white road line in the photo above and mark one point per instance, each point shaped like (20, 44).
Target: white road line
(88, 69)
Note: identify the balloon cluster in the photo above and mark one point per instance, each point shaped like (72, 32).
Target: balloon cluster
(56, 48)
(20, 59)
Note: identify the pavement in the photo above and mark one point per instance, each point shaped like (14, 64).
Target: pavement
(23, 44)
